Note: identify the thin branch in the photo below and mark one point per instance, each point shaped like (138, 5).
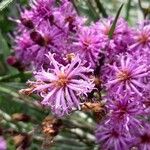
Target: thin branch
(128, 7)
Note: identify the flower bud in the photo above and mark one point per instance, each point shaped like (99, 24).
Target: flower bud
(14, 62)
(37, 38)
(27, 23)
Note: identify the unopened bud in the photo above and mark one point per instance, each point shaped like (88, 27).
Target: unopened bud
(51, 19)
(37, 38)
(27, 23)
(14, 62)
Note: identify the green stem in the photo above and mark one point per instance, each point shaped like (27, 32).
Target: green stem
(12, 76)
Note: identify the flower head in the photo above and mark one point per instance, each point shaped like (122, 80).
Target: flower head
(42, 8)
(141, 38)
(120, 40)
(127, 75)
(88, 44)
(113, 138)
(70, 21)
(124, 110)
(63, 86)
(142, 138)
(45, 27)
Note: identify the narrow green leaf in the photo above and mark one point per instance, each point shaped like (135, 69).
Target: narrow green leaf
(112, 29)
(4, 49)
(95, 15)
(101, 8)
(128, 7)
(4, 4)
(20, 75)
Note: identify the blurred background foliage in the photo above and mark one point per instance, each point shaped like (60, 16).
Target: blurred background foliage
(22, 118)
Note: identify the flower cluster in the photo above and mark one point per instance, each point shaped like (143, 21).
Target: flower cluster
(65, 54)
(126, 82)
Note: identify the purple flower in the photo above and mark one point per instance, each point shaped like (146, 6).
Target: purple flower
(142, 138)
(88, 44)
(22, 48)
(42, 9)
(124, 110)
(112, 137)
(45, 28)
(63, 86)
(70, 21)
(127, 74)
(141, 38)
(32, 46)
(26, 21)
(121, 39)
(3, 145)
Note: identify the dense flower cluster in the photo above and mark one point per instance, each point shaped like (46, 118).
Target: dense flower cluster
(65, 54)
(126, 81)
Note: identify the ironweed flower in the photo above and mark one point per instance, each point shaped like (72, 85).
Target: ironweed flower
(121, 39)
(124, 110)
(141, 38)
(142, 137)
(53, 40)
(45, 28)
(88, 43)
(111, 137)
(63, 86)
(70, 21)
(127, 75)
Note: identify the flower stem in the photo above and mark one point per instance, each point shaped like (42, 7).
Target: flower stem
(12, 76)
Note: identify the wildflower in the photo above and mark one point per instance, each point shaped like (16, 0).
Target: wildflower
(70, 21)
(42, 8)
(141, 38)
(113, 138)
(127, 75)
(120, 40)
(45, 28)
(88, 44)
(63, 86)
(31, 47)
(142, 137)
(124, 110)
